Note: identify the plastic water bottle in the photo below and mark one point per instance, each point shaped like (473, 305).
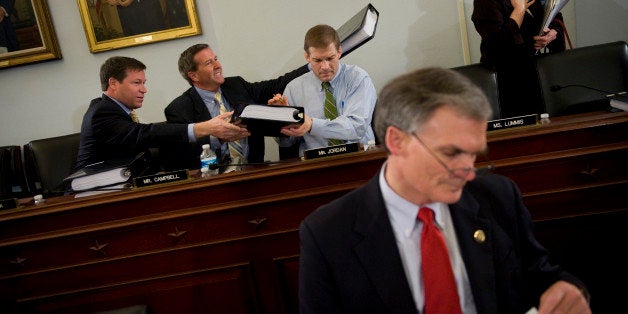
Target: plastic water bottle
(208, 159)
(545, 119)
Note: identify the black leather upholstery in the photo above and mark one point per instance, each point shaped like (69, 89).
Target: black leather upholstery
(12, 179)
(603, 67)
(48, 161)
(486, 79)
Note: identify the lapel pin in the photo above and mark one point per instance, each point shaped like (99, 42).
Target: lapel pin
(479, 236)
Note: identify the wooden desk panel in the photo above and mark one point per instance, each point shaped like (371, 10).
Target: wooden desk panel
(230, 243)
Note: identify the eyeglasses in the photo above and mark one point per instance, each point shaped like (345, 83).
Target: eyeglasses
(462, 173)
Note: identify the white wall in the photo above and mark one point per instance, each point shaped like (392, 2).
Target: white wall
(254, 39)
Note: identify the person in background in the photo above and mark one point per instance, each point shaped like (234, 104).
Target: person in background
(108, 130)
(354, 96)
(140, 16)
(8, 37)
(362, 253)
(200, 67)
(510, 40)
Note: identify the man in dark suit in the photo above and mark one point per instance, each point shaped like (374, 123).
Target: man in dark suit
(109, 132)
(199, 66)
(361, 253)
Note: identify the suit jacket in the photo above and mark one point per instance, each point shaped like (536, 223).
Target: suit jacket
(350, 261)
(190, 108)
(107, 132)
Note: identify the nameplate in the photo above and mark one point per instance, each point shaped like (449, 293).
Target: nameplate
(161, 178)
(8, 203)
(330, 150)
(513, 122)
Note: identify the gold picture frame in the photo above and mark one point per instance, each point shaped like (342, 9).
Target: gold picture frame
(115, 24)
(35, 35)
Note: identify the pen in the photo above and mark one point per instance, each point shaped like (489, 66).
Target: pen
(342, 107)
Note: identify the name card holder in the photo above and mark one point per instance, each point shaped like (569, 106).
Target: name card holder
(514, 122)
(331, 150)
(161, 178)
(9, 203)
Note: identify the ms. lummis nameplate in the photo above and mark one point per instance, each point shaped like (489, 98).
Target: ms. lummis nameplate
(513, 122)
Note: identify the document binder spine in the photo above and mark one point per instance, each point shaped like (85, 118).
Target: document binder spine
(354, 25)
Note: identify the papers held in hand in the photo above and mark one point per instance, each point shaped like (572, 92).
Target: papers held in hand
(267, 120)
(109, 172)
(358, 30)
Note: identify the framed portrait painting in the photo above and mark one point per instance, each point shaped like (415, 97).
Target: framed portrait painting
(26, 33)
(114, 24)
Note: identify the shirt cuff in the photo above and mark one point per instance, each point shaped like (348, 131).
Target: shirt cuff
(191, 137)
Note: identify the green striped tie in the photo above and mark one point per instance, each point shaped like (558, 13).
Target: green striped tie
(330, 111)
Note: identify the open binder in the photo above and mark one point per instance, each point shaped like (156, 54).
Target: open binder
(358, 30)
(267, 120)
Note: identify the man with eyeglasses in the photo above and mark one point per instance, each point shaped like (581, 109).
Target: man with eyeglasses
(363, 253)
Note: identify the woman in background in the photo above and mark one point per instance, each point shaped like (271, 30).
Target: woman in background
(510, 31)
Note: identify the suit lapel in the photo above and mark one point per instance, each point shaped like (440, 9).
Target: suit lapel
(477, 254)
(201, 113)
(378, 252)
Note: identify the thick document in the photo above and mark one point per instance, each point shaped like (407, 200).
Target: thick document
(358, 30)
(619, 101)
(107, 173)
(267, 120)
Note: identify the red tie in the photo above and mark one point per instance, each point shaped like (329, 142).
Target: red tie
(441, 295)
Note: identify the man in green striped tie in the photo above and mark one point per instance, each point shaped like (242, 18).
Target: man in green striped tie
(339, 99)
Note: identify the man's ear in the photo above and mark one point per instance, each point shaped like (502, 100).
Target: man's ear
(193, 76)
(396, 140)
(113, 83)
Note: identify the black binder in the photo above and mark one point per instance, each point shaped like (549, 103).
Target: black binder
(108, 172)
(267, 120)
(358, 30)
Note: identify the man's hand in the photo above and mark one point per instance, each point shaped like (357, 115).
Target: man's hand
(220, 127)
(278, 99)
(563, 297)
(298, 130)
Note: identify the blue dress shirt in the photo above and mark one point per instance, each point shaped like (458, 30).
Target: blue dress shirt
(355, 98)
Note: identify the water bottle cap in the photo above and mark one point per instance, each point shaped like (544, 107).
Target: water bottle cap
(205, 146)
(544, 115)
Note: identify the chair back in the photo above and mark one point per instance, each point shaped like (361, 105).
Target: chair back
(12, 179)
(48, 161)
(577, 80)
(486, 79)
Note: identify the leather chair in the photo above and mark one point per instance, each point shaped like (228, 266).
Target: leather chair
(486, 79)
(577, 80)
(12, 179)
(48, 161)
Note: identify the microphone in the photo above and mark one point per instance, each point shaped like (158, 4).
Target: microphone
(220, 165)
(555, 88)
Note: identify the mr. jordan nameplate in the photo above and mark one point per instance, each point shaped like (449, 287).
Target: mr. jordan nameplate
(330, 151)
(161, 178)
(513, 122)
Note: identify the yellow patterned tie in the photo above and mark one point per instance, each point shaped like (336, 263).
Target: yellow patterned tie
(235, 148)
(134, 116)
(330, 111)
